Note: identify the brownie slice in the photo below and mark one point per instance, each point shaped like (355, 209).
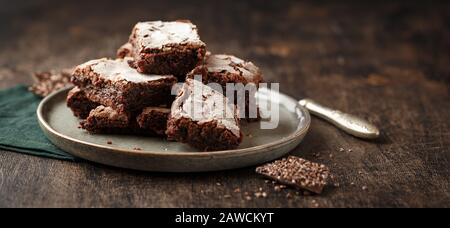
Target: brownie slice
(166, 47)
(80, 105)
(105, 120)
(203, 118)
(113, 83)
(223, 69)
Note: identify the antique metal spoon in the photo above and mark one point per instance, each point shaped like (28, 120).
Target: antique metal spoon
(349, 123)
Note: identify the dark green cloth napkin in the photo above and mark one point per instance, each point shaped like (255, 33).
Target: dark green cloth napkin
(19, 128)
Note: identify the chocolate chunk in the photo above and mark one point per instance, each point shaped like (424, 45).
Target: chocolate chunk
(297, 172)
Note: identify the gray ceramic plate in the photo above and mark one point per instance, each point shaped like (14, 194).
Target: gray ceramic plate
(258, 146)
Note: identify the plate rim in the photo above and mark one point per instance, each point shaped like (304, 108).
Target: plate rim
(45, 126)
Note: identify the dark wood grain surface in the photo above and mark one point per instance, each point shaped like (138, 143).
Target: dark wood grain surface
(389, 63)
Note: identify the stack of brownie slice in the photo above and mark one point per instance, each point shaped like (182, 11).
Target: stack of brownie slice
(133, 93)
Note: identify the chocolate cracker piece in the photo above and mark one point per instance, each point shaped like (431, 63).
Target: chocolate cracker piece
(297, 172)
(166, 47)
(113, 83)
(203, 118)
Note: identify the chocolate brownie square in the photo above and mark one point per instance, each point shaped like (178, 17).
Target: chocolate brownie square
(203, 118)
(113, 83)
(105, 120)
(225, 69)
(166, 47)
(80, 105)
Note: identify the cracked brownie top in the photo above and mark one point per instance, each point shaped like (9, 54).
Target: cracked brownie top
(159, 34)
(116, 70)
(232, 64)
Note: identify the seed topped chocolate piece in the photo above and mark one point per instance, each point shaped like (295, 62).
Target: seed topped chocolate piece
(297, 172)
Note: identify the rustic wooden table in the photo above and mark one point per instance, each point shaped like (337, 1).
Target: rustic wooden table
(387, 63)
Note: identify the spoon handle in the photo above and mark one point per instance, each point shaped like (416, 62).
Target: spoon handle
(349, 123)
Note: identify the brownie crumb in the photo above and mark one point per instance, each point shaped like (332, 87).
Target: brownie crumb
(315, 204)
(258, 194)
(297, 172)
(48, 82)
(332, 177)
(277, 188)
(137, 148)
(109, 142)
